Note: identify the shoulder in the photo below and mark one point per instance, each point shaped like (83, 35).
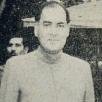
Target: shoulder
(22, 58)
(75, 60)
(80, 68)
(77, 63)
(21, 62)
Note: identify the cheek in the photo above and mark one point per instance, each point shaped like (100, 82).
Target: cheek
(64, 35)
(20, 49)
(43, 31)
(43, 35)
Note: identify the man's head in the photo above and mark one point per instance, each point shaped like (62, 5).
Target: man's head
(16, 46)
(53, 28)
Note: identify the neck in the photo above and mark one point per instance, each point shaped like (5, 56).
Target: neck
(50, 57)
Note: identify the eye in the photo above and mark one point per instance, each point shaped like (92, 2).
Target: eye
(18, 45)
(61, 25)
(46, 24)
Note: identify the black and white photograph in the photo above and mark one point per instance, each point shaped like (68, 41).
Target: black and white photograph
(50, 50)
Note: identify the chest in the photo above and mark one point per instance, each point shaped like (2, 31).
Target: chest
(52, 83)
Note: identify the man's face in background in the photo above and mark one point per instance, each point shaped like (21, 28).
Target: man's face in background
(15, 47)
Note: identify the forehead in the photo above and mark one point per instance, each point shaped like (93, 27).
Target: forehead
(53, 13)
(16, 40)
(54, 0)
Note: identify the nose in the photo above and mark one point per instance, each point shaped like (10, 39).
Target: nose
(54, 30)
(13, 48)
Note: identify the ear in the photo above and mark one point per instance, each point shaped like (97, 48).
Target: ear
(26, 50)
(68, 27)
(36, 29)
(8, 49)
(68, 30)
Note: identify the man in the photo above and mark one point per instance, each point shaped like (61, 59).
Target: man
(48, 74)
(16, 47)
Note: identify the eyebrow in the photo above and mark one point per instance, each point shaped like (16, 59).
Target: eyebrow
(61, 23)
(18, 44)
(51, 22)
(46, 22)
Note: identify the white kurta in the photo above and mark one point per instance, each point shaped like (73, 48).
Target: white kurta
(67, 80)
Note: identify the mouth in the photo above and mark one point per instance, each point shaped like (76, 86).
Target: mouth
(13, 54)
(53, 40)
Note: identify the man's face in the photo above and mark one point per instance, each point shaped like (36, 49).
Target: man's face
(15, 47)
(53, 29)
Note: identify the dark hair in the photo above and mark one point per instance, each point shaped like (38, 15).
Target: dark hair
(52, 4)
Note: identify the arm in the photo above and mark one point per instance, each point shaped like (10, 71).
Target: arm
(9, 85)
(89, 92)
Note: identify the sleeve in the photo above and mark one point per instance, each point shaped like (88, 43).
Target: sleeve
(89, 89)
(9, 85)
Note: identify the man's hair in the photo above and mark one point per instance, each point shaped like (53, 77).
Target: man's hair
(52, 4)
